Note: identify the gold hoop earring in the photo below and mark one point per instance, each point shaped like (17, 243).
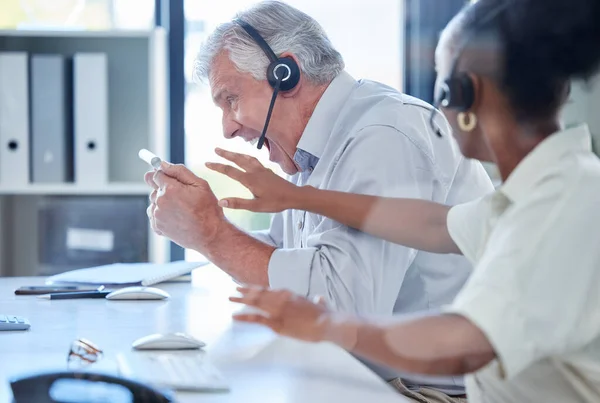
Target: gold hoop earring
(467, 121)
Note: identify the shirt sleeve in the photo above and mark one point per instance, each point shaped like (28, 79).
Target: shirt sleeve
(467, 225)
(534, 293)
(354, 271)
(274, 235)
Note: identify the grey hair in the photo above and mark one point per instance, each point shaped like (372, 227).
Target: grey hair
(285, 29)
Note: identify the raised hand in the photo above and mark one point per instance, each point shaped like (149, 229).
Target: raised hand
(271, 193)
(285, 313)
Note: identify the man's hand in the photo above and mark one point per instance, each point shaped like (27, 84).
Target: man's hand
(183, 207)
(285, 313)
(272, 193)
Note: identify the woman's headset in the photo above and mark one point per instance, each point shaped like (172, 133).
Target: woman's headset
(283, 73)
(457, 91)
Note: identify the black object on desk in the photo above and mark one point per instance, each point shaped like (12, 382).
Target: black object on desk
(76, 295)
(77, 386)
(50, 289)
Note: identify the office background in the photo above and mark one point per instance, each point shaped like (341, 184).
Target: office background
(391, 41)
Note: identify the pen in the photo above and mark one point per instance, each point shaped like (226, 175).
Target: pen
(76, 295)
(150, 158)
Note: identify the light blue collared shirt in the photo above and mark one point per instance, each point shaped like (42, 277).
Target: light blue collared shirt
(364, 137)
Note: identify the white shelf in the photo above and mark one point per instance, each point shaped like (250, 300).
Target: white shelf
(137, 92)
(120, 189)
(77, 33)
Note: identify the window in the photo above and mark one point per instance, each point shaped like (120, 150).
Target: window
(77, 14)
(366, 32)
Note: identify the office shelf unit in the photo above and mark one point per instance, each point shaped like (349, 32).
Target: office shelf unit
(137, 118)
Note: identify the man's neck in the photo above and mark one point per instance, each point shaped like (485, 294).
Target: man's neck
(308, 105)
(299, 117)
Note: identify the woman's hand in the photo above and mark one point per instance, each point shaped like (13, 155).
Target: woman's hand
(272, 193)
(285, 313)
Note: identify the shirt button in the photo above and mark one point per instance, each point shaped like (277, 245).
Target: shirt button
(310, 169)
(300, 224)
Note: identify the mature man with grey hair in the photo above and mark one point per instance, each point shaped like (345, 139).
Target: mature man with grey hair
(332, 132)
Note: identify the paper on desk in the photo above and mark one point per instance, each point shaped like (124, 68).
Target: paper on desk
(126, 274)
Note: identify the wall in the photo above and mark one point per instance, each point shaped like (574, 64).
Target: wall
(593, 113)
(584, 106)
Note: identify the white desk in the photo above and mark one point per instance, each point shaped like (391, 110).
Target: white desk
(259, 366)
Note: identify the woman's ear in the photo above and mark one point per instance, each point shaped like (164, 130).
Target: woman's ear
(296, 89)
(477, 91)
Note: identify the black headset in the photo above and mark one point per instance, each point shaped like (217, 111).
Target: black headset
(457, 91)
(283, 73)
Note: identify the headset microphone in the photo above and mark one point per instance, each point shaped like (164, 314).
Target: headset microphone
(261, 139)
(283, 73)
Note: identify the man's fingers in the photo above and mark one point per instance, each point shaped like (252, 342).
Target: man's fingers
(241, 204)
(178, 172)
(149, 179)
(150, 214)
(242, 160)
(153, 196)
(228, 170)
(161, 179)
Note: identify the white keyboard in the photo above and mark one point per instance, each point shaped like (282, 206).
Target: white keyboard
(11, 322)
(184, 371)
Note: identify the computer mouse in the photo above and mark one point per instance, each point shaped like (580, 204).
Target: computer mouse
(169, 341)
(138, 293)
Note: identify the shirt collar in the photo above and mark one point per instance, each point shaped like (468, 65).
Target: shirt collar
(305, 160)
(319, 127)
(533, 167)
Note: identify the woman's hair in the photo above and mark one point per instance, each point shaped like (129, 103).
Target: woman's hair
(543, 45)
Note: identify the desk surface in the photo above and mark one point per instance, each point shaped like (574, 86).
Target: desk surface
(260, 366)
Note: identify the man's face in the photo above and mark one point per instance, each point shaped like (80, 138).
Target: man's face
(244, 101)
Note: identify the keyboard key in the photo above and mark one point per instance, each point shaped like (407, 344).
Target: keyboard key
(12, 323)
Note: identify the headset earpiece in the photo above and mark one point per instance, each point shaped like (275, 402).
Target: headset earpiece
(458, 93)
(283, 73)
(286, 69)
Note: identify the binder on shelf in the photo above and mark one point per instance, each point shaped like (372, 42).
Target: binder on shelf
(90, 115)
(14, 119)
(51, 127)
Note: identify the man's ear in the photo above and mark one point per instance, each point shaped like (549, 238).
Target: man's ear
(296, 89)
